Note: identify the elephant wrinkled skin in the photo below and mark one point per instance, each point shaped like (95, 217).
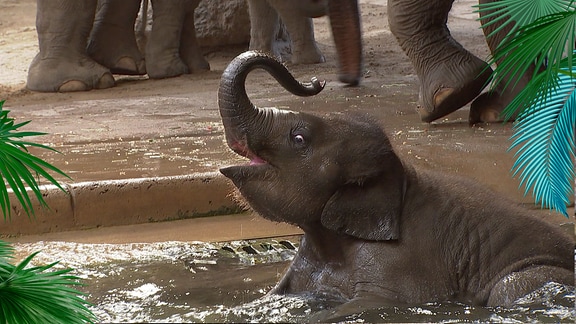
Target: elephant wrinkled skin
(376, 230)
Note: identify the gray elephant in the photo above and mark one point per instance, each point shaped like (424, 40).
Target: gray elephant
(265, 17)
(376, 230)
(450, 76)
(82, 43)
(344, 15)
(172, 48)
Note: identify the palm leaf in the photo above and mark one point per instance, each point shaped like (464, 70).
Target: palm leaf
(518, 13)
(542, 38)
(6, 251)
(13, 180)
(17, 166)
(37, 295)
(546, 43)
(544, 136)
(31, 294)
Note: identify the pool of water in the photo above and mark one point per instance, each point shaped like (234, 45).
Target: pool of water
(227, 282)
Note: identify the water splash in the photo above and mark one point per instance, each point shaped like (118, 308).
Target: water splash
(227, 282)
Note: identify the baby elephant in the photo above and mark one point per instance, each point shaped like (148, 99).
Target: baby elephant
(376, 230)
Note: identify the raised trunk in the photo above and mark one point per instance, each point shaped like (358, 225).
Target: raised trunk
(345, 21)
(236, 109)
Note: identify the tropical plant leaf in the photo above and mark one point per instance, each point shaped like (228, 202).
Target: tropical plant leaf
(543, 44)
(31, 294)
(14, 182)
(544, 136)
(6, 251)
(40, 294)
(519, 13)
(541, 39)
(17, 166)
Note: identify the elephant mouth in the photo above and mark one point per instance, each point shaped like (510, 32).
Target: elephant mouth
(240, 148)
(257, 169)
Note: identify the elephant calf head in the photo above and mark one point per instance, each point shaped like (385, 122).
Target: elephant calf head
(375, 229)
(304, 169)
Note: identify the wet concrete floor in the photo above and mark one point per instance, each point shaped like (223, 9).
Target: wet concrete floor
(103, 135)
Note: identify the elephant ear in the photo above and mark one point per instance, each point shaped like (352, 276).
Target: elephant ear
(368, 209)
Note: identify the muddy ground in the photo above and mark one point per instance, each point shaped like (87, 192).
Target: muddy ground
(146, 128)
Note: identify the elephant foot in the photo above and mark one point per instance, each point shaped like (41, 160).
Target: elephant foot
(127, 65)
(106, 81)
(112, 41)
(119, 56)
(448, 88)
(310, 55)
(67, 74)
(165, 68)
(161, 63)
(488, 108)
(300, 33)
(197, 64)
(194, 59)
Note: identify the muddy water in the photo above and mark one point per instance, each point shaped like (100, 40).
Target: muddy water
(227, 282)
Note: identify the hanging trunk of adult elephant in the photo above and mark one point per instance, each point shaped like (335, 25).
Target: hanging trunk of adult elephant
(239, 115)
(346, 30)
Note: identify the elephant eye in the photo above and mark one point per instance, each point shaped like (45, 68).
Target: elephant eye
(299, 139)
(300, 136)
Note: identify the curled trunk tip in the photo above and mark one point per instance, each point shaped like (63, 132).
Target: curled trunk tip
(237, 70)
(235, 107)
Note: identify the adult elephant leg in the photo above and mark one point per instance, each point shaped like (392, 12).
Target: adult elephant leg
(301, 31)
(113, 41)
(264, 26)
(450, 76)
(163, 47)
(489, 106)
(63, 28)
(189, 49)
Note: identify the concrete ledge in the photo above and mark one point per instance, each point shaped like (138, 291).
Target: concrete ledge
(122, 202)
(243, 226)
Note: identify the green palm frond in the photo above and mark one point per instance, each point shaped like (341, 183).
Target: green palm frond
(36, 295)
(31, 294)
(17, 165)
(519, 13)
(546, 42)
(6, 251)
(542, 39)
(540, 87)
(545, 137)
